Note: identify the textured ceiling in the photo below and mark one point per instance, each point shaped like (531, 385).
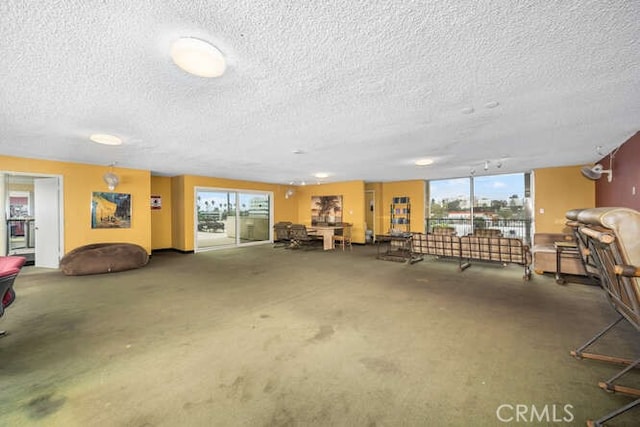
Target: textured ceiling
(363, 89)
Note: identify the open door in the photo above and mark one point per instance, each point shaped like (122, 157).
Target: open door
(370, 215)
(47, 222)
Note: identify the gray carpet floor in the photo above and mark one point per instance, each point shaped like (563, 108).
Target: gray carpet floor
(263, 336)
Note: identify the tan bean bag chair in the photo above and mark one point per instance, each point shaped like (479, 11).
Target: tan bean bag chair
(100, 258)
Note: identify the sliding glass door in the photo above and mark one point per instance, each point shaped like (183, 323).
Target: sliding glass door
(214, 218)
(254, 213)
(227, 218)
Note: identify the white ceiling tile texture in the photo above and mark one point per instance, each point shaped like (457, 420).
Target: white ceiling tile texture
(363, 88)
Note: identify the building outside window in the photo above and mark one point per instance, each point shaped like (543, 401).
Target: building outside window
(500, 202)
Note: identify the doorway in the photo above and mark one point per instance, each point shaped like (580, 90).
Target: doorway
(31, 223)
(370, 215)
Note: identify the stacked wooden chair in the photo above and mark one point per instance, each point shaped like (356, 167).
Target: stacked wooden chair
(610, 243)
(282, 234)
(300, 239)
(588, 255)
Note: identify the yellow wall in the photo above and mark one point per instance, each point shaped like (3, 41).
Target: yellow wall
(286, 209)
(178, 231)
(558, 190)
(183, 204)
(79, 182)
(352, 193)
(161, 222)
(415, 190)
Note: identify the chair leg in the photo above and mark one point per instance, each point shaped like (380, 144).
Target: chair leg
(611, 359)
(610, 386)
(600, 422)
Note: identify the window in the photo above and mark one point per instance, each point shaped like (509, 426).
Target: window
(498, 201)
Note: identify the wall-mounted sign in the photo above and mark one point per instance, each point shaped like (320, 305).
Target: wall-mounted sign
(156, 202)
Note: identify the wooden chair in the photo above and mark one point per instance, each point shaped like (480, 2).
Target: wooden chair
(611, 236)
(342, 238)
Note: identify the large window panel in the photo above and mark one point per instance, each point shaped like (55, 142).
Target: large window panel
(499, 203)
(496, 201)
(450, 205)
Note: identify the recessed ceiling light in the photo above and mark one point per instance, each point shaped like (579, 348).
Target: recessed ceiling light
(321, 175)
(297, 151)
(423, 162)
(198, 57)
(106, 139)
(491, 104)
(467, 110)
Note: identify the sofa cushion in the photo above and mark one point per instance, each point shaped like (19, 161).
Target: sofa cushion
(103, 258)
(444, 231)
(487, 232)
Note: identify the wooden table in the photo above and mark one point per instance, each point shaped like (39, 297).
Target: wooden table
(327, 232)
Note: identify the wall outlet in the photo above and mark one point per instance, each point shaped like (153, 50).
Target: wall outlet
(633, 190)
(541, 210)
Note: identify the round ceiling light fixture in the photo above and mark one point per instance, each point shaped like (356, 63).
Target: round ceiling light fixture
(321, 175)
(424, 162)
(105, 139)
(198, 57)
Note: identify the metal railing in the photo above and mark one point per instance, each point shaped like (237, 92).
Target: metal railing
(520, 228)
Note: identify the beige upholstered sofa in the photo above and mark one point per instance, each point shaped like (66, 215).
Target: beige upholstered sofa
(544, 255)
(442, 242)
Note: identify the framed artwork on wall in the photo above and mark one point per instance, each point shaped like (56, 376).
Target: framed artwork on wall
(326, 210)
(110, 210)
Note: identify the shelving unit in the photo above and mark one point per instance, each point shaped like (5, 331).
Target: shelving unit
(397, 245)
(400, 216)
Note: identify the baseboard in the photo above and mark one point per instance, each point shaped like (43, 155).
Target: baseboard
(155, 251)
